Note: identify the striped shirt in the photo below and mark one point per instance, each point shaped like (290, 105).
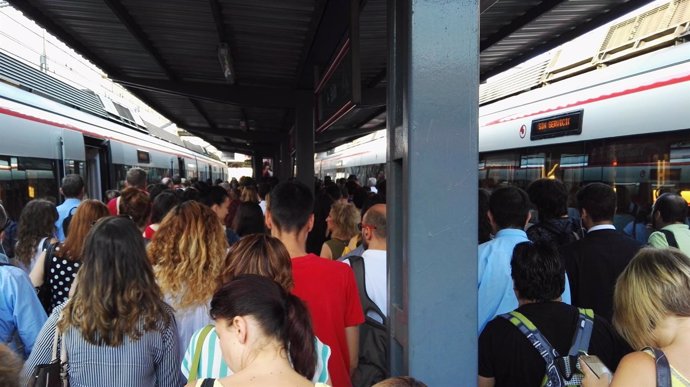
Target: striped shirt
(153, 360)
(212, 365)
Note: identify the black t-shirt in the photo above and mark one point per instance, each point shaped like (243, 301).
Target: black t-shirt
(507, 355)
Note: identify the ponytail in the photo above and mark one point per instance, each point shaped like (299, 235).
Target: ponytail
(282, 316)
(299, 337)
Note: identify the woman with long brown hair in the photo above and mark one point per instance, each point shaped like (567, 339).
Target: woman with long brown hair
(64, 260)
(35, 233)
(263, 255)
(116, 329)
(188, 252)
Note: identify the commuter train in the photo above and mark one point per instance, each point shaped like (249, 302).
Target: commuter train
(627, 125)
(42, 140)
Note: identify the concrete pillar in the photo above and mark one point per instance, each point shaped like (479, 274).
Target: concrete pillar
(432, 189)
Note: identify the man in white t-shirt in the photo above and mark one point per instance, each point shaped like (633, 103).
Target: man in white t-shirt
(373, 228)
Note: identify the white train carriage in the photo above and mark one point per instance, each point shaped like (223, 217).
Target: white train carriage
(627, 125)
(42, 140)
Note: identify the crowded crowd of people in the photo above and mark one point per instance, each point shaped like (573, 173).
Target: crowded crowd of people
(196, 284)
(582, 292)
(266, 283)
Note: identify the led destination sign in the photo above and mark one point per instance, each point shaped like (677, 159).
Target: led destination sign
(555, 126)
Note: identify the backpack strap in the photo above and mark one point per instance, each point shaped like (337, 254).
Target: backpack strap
(540, 343)
(670, 238)
(196, 357)
(663, 369)
(368, 305)
(583, 333)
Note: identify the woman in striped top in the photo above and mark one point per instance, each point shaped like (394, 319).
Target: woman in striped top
(116, 327)
(259, 254)
(265, 335)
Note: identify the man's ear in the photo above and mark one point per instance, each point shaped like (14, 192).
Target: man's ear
(268, 220)
(492, 222)
(529, 217)
(310, 222)
(583, 213)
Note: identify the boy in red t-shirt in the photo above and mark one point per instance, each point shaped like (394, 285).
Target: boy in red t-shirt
(327, 287)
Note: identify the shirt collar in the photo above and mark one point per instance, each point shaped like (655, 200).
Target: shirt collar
(511, 232)
(601, 227)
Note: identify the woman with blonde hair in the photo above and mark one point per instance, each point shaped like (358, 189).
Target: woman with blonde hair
(258, 254)
(64, 259)
(189, 256)
(342, 224)
(652, 312)
(116, 329)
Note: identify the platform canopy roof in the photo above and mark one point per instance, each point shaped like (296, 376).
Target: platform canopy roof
(169, 54)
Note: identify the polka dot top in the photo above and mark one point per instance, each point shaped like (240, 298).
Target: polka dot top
(61, 274)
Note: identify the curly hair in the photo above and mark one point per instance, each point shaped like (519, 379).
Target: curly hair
(36, 221)
(116, 294)
(260, 254)
(88, 212)
(188, 252)
(345, 217)
(136, 204)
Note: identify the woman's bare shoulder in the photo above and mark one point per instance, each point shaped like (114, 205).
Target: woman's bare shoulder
(635, 369)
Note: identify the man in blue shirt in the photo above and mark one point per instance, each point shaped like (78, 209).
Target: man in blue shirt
(21, 314)
(508, 214)
(73, 191)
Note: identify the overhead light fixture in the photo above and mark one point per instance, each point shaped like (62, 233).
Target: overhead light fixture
(225, 60)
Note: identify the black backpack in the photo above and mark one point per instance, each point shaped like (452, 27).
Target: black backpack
(67, 221)
(373, 337)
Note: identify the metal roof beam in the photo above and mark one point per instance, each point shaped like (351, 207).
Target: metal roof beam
(378, 78)
(518, 23)
(373, 97)
(565, 37)
(333, 135)
(218, 19)
(235, 95)
(137, 33)
(244, 135)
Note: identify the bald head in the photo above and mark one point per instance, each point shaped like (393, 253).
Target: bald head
(376, 216)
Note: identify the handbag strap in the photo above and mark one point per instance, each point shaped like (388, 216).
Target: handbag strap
(196, 358)
(663, 369)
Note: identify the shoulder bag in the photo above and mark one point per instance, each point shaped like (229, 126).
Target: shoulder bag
(53, 374)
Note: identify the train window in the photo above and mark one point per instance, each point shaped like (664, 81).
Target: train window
(143, 157)
(23, 179)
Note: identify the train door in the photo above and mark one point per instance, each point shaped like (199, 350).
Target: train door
(180, 163)
(98, 167)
